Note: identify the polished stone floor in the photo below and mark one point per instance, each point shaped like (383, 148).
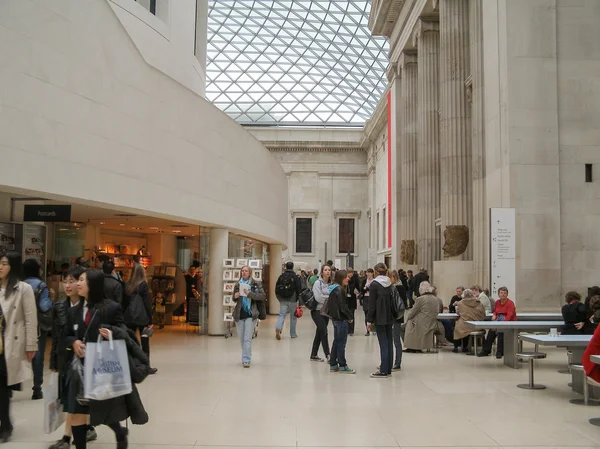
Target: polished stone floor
(202, 397)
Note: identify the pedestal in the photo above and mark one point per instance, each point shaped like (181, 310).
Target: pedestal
(219, 249)
(449, 274)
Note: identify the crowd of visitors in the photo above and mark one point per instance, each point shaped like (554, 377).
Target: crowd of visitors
(97, 305)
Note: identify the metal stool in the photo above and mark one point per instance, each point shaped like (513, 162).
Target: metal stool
(570, 361)
(586, 393)
(435, 343)
(530, 357)
(475, 335)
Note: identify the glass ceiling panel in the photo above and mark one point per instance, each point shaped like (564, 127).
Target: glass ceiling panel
(290, 62)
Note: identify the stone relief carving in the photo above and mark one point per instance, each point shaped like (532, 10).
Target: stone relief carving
(456, 239)
(407, 252)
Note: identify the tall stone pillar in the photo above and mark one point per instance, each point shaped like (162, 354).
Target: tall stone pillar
(426, 39)
(455, 129)
(408, 158)
(218, 250)
(395, 209)
(480, 214)
(274, 272)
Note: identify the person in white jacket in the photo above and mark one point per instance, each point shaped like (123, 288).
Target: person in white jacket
(321, 293)
(483, 298)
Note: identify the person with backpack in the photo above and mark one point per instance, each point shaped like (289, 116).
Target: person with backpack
(381, 313)
(138, 313)
(287, 290)
(397, 327)
(246, 312)
(321, 293)
(31, 275)
(113, 287)
(336, 307)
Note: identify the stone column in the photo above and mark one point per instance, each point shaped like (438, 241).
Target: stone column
(396, 207)
(218, 250)
(408, 158)
(480, 214)
(426, 39)
(274, 272)
(455, 129)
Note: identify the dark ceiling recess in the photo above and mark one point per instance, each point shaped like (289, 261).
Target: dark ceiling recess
(179, 226)
(125, 215)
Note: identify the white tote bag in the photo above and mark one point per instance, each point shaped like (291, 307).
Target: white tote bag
(106, 370)
(54, 416)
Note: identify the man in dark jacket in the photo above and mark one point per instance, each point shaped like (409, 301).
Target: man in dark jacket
(351, 295)
(287, 290)
(380, 314)
(421, 276)
(113, 288)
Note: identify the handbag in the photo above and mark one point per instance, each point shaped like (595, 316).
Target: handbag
(54, 416)
(262, 310)
(298, 313)
(307, 298)
(106, 370)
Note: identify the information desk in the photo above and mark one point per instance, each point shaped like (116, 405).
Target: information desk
(511, 330)
(574, 343)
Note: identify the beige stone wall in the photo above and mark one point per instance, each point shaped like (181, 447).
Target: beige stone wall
(578, 49)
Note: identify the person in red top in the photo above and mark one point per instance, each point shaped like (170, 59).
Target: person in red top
(504, 310)
(593, 348)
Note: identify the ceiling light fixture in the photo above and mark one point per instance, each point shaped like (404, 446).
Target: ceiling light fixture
(101, 222)
(177, 232)
(121, 224)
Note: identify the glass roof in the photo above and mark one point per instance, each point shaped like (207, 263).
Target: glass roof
(294, 62)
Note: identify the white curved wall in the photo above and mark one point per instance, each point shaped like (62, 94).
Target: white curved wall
(83, 116)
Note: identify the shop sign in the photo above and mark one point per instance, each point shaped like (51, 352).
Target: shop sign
(47, 213)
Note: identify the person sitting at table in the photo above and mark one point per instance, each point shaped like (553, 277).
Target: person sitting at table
(483, 298)
(593, 348)
(468, 309)
(573, 313)
(456, 298)
(421, 321)
(504, 310)
(590, 325)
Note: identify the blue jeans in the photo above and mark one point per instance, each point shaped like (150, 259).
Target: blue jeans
(397, 332)
(338, 348)
(37, 363)
(286, 307)
(245, 329)
(386, 347)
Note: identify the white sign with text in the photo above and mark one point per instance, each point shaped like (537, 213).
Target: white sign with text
(503, 251)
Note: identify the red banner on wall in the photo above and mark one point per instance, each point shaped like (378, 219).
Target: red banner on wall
(389, 169)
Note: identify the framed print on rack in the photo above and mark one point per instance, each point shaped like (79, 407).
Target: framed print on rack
(227, 275)
(228, 263)
(171, 271)
(257, 275)
(254, 264)
(228, 317)
(228, 301)
(228, 287)
(237, 273)
(239, 263)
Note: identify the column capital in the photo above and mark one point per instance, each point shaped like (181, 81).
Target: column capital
(406, 58)
(393, 71)
(436, 5)
(423, 27)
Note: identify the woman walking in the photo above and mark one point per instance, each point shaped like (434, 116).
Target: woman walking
(18, 329)
(60, 360)
(337, 309)
(380, 314)
(321, 293)
(246, 294)
(138, 314)
(364, 289)
(85, 323)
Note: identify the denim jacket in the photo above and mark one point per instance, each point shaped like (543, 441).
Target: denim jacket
(45, 303)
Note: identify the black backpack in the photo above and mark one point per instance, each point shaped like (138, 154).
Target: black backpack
(307, 299)
(397, 304)
(286, 285)
(45, 320)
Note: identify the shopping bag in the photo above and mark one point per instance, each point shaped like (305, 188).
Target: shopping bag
(54, 415)
(106, 370)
